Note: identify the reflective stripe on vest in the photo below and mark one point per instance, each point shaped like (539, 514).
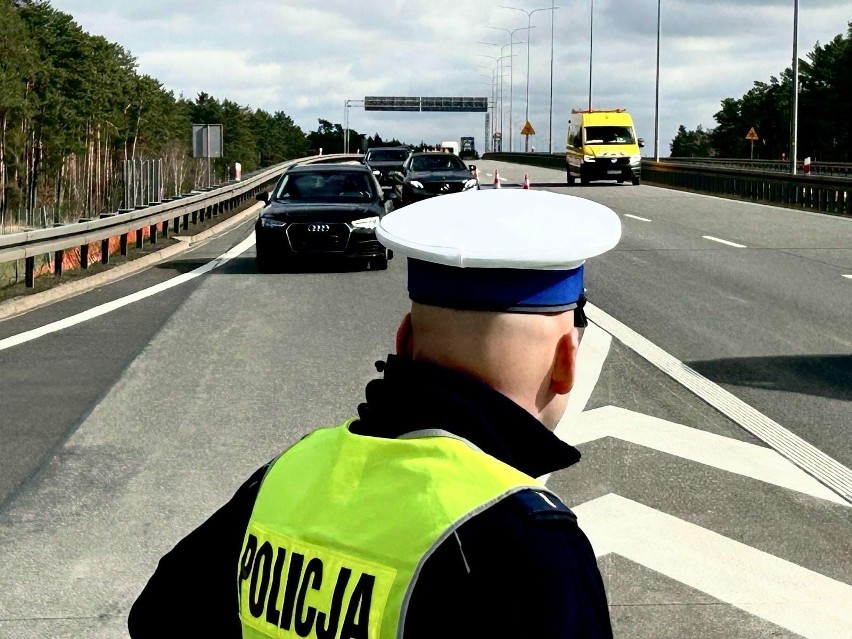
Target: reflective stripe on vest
(343, 523)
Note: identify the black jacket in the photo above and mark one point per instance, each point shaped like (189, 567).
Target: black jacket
(521, 568)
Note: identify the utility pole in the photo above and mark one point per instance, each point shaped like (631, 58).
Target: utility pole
(794, 128)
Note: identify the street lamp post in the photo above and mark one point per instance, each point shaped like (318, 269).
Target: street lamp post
(794, 125)
(529, 26)
(591, 47)
(498, 61)
(501, 47)
(511, 33)
(553, 8)
(657, 95)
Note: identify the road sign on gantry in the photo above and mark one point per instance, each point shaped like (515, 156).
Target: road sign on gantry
(401, 103)
(751, 135)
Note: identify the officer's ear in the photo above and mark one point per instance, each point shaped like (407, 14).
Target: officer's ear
(565, 362)
(405, 337)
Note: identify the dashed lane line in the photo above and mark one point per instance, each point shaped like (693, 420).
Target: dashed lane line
(103, 309)
(636, 217)
(721, 241)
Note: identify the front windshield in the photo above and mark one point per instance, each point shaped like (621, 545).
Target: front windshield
(437, 162)
(325, 185)
(387, 155)
(609, 135)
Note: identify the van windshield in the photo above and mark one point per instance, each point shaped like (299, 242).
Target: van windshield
(609, 135)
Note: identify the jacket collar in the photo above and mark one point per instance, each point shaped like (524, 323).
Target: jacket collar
(418, 395)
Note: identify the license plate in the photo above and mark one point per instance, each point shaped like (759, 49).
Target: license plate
(613, 172)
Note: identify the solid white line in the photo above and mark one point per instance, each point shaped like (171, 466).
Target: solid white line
(636, 217)
(807, 457)
(716, 239)
(103, 309)
(725, 453)
(800, 600)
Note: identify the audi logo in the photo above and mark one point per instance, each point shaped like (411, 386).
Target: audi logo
(445, 188)
(319, 228)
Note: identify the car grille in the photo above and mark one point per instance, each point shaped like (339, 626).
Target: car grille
(441, 188)
(318, 237)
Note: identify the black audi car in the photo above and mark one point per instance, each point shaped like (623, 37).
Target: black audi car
(383, 160)
(322, 211)
(429, 174)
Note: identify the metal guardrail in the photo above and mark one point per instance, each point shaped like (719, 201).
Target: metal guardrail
(833, 169)
(809, 192)
(194, 207)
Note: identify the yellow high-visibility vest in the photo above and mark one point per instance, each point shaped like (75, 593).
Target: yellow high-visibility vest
(343, 524)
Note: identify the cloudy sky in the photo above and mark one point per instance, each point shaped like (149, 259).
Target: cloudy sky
(307, 57)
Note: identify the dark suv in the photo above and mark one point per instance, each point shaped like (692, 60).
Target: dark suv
(384, 159)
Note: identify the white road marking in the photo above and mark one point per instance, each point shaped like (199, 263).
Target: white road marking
(725, 453)
(848, 276)
(103, 309)
(716, 239)
(804, 455)
(779, 591)
(636, 217)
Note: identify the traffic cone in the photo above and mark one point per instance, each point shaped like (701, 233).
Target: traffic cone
(806, 165)
(496, 179)
(526, 181)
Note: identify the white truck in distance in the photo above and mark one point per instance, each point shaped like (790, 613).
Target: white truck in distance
(449, 146)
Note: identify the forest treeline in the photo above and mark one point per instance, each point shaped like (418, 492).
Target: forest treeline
(74, 108)
(825, 106)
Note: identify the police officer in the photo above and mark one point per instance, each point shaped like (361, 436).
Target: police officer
(423, 517)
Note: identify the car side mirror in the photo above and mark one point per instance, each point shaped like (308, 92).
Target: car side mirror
(263, 197)
(472, 168)
(641, 143)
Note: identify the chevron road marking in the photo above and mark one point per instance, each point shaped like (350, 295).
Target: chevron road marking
(806, 456)
(795, 598)
(732, 455)
(103, 309)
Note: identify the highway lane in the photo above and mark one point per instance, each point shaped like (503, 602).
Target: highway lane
(240, 364)
(769, 322)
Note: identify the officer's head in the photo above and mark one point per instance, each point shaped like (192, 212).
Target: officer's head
(496, 283)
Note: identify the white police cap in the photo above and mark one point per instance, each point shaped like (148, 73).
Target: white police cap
(507, 250)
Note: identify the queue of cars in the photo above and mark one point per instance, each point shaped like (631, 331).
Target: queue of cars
(331, 210)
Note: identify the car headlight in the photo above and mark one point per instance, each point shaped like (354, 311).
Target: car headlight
(470, 184)
(416, 184)
(366, 222)
(269, 223)
(635, 159)
(588, 158)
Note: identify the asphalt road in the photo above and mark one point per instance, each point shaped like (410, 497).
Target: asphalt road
(132, 427)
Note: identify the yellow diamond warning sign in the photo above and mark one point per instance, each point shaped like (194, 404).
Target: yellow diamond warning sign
(528, 129)
(752, 135)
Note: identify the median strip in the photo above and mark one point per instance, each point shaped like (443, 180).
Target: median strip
(716, 239)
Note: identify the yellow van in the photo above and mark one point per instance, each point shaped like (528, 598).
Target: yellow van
(602, 145)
